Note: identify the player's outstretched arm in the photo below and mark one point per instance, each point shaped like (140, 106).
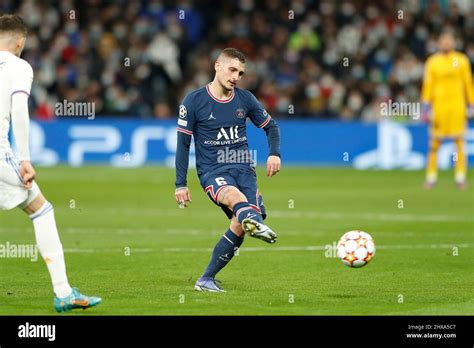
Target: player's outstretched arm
(21, 126)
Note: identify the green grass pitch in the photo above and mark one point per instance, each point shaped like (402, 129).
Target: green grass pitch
(127, 241)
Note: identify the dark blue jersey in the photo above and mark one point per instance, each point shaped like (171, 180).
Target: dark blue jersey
(219, 128)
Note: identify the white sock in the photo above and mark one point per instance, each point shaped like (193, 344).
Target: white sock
(51, 249)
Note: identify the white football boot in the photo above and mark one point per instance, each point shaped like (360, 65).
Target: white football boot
(258, 230)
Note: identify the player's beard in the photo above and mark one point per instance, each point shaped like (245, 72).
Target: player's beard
(231, 88)
(225, 88)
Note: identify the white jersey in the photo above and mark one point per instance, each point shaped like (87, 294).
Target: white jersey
(16, 76)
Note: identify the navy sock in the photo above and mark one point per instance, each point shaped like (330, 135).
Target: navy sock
(244, 210)
(223, 253)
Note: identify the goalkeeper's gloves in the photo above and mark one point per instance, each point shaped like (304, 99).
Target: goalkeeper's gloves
(470, 111)
(425, 112)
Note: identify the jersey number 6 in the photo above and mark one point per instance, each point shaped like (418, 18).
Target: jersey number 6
(220, 181)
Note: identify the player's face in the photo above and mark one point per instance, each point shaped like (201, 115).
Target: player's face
(229, 71)
(446, 43)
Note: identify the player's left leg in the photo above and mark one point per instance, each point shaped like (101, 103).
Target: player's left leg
(41, 213)
(460, 167)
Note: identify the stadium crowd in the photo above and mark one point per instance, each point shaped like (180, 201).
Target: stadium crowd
(306, 58)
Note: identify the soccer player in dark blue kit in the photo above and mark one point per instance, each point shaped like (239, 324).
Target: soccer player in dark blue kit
(215, 115)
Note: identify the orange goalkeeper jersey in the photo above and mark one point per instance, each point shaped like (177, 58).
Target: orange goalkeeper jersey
(448, 87)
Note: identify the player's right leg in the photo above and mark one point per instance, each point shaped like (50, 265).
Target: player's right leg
(13, 194)
(41, 213)
(432, 163)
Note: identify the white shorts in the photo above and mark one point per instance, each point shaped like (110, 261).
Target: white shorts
(12, 192)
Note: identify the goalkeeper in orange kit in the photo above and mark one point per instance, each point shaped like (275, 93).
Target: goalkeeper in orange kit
(447, 94)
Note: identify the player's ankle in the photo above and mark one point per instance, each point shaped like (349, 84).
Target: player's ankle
(460, 178)
(431, 178)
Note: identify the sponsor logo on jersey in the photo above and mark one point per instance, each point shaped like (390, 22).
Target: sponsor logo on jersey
(227, 136)
(211, 117)
(232, 134)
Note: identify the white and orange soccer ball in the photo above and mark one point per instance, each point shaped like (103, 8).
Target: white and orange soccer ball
(356, 248)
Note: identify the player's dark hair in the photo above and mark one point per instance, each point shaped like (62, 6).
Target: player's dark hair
(234, 53)
(13, 23)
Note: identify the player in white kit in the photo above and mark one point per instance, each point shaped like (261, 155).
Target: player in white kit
(17, 176)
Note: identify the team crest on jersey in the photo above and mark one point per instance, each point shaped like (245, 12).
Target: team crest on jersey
(240, 113)
(182, 111)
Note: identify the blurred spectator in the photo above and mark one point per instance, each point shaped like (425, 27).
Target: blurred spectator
(314, 58)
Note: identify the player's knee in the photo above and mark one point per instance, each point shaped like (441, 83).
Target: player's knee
(236, 227)
(459, 142)
(34, 205)
(230, 196)
(434, 145)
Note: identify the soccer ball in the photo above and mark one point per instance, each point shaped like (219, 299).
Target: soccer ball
(356, 249)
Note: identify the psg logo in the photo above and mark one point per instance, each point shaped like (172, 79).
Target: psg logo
(240, 113)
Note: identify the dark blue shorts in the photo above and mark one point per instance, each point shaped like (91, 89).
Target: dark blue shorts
(244, 179)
